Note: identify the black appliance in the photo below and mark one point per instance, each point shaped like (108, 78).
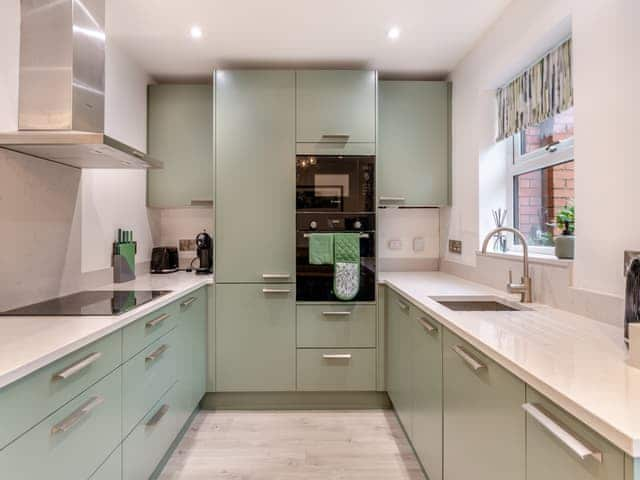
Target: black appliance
(204, 246)
(164, 260)
(334, 194)
(90, 302)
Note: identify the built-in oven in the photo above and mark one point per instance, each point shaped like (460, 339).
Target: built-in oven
(335, 183)
(334, 194)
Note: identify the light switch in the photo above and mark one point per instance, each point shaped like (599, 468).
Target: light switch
(395, 244)
(418, 244)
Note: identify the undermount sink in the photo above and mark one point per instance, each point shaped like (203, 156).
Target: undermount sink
(478, 304)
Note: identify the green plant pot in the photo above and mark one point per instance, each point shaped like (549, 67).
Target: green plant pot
(565, 246)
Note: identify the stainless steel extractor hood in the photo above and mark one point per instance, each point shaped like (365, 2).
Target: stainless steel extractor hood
(61, 88)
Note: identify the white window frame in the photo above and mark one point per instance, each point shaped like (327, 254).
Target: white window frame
(544, 157)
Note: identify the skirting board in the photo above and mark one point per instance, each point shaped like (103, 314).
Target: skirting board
(294, 400)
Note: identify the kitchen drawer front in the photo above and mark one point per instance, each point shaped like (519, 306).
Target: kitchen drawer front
(323, 148)
(340, 325)
(111, 469)
(74, 441)
(337, 369)
(548, 458)
(149, 328)
(32, 398)
(143, 449)
(146, 377)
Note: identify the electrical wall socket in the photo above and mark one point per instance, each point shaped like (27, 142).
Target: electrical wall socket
(455, 246)
(629, 255)
(418, 244)
(187, 245)
(395, 244)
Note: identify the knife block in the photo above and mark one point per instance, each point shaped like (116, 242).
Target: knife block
(124, 262)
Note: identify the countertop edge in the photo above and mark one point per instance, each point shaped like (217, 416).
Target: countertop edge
(630, 445)
(30, 367)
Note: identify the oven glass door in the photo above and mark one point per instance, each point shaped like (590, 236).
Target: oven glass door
(335, 183)
(314, 283)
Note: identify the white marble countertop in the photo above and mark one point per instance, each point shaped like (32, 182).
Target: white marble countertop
(577, 362)
(29, 343)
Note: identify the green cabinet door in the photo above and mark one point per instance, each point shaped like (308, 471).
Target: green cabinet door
(413, 144)
(426, 430)
(180, 134)
(255, 337)
(484, 423)
(399, 357)
(336, 106)
(255, 176)
(550, 458)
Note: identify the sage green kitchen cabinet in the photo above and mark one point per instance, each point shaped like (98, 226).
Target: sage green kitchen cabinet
(180, 134)
(426, 359)
(336, 106)
(255, 337)
(255, 176)
(484, 423)
(399, 341)
(550, 458)
(414, 143)
(111, 469)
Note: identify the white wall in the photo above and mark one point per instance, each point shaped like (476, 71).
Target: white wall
(606, 50)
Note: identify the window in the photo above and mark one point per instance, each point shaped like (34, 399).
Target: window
(543, 181)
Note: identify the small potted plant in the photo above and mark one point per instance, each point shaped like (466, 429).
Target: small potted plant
(566, 242)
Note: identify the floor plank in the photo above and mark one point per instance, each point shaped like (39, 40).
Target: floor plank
(288, 445)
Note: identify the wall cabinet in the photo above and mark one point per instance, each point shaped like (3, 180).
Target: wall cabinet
(484, 434)
(335, 106)
(426, 379)
(414, 143)
(180, 134)
(549, 458)
(255, 170)
(399, 375)
(255, 337)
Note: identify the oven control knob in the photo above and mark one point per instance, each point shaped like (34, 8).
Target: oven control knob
(357, 224)
(313, 225)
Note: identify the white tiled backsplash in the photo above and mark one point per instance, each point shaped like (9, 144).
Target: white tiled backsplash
(408, 238)
(177, 224)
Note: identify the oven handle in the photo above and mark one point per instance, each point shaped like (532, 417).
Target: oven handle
(362, 235)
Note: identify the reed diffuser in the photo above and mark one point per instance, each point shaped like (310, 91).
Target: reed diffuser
(500, 241)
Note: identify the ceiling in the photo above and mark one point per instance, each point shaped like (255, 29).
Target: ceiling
(434, 34)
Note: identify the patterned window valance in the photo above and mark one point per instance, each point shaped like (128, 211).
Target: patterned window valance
(540, 92)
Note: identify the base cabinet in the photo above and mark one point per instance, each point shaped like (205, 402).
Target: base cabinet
(111, 469)
(255, 337)
(550, 458)
(484, 424)
(426, 379)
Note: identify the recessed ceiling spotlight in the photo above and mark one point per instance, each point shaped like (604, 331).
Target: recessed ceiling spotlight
(393, 33)
(196, 32)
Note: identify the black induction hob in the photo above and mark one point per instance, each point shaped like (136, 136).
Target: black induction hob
(90, 302)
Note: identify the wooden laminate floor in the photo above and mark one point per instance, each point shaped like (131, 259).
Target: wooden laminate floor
(308, 445)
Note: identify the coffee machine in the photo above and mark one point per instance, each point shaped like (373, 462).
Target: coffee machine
(204, 245)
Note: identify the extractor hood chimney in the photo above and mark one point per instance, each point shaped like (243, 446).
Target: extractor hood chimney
(61, 88)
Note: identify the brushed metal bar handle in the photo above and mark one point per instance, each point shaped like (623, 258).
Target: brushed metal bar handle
(539, 414)
(275, 276)
(153, 356)
(362, 235)
(427, 325)
(403, 306)
(336, 314)
(158, 415)
(276, 290)
(77, 367)
(468, 359)
(201, 203)
(392, 199)
(337, 356)
(155, 321)
(335, 135)
(76, 415)
(188, 302)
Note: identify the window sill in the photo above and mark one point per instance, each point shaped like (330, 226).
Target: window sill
(534, 258)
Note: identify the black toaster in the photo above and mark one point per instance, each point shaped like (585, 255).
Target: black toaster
(164, 260)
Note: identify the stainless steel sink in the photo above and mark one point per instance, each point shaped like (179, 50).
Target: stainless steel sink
(478, 304)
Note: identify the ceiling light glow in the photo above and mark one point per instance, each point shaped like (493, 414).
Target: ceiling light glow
(196, 32)
(393, 33)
